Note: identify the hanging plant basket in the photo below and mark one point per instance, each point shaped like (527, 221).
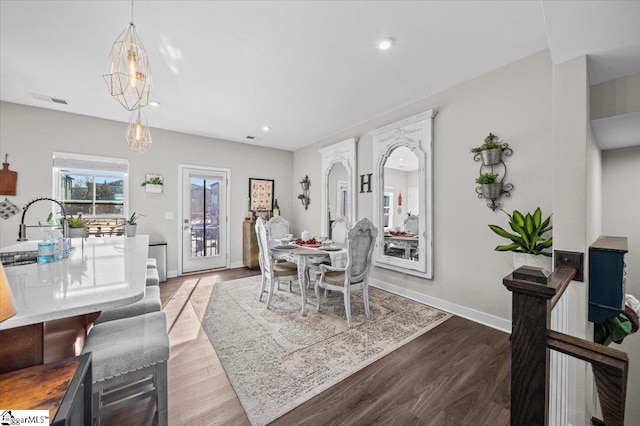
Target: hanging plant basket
(491, 191)
(491, 156)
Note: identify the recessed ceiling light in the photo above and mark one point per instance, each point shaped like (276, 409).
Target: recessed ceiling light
(266, 128)
(385, 44)
(154, 103)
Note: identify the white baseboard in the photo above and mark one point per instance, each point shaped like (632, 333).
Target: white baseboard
(459, 310)
(172, 274)
(233, 265)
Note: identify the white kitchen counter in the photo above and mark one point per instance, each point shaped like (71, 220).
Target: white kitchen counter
(106, 273)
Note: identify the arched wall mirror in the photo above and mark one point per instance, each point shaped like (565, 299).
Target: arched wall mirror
(338, 183)
(403, 195)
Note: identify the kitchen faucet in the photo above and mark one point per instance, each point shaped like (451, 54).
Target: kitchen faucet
(22, 230)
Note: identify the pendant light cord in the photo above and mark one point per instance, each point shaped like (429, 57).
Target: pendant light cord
(132, 11)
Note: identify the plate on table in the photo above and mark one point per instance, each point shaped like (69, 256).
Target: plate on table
(313, 245)
(285, 246)
(331, 248)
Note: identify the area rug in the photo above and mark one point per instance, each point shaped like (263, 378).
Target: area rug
(276, 359)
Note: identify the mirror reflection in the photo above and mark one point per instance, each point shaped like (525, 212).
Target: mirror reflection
(338, 197)
(338, 183)
(401, 207)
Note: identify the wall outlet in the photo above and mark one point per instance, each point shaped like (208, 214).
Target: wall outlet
(168, 215)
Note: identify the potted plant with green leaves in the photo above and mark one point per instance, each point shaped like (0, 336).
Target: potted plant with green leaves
(131, 225)
(531, 241)
(153, 184)
(491, 150)
(77, 227)
(491, 188)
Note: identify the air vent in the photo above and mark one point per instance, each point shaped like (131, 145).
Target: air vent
(251, 137)
(49, 99)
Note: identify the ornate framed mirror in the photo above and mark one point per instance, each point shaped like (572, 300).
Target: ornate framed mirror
(403, 195)
(338, 183)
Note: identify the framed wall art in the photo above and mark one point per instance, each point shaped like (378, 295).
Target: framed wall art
(261, 194)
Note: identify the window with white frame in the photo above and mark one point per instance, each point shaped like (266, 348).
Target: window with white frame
(93, 186)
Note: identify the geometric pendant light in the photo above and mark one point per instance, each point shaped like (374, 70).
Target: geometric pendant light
(138, 134)
(128, 74)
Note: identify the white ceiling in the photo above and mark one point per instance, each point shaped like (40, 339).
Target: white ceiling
(402, 159)
(223, 69)
(618, 131)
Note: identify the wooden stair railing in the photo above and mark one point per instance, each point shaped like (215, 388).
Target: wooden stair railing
(531, 340)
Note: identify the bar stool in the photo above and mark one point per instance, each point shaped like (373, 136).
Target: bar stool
(152, 277)
(152, 263)
(128, 355)
(149, 303)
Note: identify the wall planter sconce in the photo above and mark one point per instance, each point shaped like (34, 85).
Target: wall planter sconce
(153, 183)
(492, 167)
(304, 197)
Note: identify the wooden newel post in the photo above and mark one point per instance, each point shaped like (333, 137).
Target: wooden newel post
(531, 316)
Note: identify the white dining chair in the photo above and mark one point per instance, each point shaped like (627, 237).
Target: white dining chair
(339, 229)
(272, 272)
(412, 224)
(355, 275)
(278, 227)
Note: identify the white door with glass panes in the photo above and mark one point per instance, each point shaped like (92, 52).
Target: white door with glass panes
(204, 218)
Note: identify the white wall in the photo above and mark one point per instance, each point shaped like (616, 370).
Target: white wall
(621, 217)
(30, 135)
(513, 102)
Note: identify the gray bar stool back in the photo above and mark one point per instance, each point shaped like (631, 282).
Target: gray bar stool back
(129, 363)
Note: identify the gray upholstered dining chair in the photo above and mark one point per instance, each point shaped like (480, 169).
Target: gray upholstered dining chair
(361, 240)
(339, 229)
(272, 272)
(278, 226)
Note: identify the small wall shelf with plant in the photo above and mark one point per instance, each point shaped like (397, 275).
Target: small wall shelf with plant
(153, 183)
(490, 155)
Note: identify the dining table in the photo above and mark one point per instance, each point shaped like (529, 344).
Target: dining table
(407, 242)
(306, 255)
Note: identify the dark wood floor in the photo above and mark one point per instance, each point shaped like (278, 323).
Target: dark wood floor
(455, 374)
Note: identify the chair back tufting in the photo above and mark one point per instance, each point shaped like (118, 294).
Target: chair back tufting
(278, 226)
(360, 243)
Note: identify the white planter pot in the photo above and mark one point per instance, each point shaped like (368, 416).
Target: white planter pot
(157, 189)
(77, 232)
(520, 259)
(130, 230)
